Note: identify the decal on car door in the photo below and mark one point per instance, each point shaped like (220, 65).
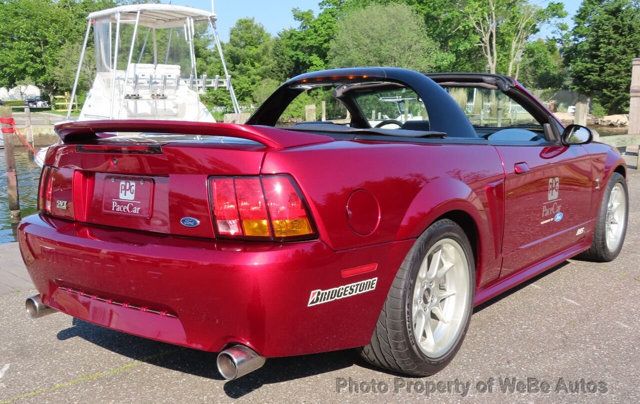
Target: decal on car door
(554, 189)
(552, 208)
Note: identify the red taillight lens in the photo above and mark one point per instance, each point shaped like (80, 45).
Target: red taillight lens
(267, 207)
(44, 190)
(288, 211)
(55, 194)
(225, 207)
(253, 211)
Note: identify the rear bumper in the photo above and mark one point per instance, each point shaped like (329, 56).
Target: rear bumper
(205, 294)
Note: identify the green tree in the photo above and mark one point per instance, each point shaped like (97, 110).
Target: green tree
(306, 47)
(542, 65)
(368, 37)
(447, 23)
(249, 56)
(36, 35)
(264, 89)
(504, 26)
(605, 39)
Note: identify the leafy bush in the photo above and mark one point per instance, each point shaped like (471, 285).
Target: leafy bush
(597, 109)
(14, 103)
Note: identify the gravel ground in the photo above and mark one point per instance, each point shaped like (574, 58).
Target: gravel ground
(572, 331)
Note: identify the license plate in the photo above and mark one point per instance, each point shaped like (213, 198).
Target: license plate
(127, 196)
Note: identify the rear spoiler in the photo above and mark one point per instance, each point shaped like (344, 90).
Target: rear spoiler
(79, 132)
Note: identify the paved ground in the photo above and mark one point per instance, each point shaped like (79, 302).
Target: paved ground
(575, 328)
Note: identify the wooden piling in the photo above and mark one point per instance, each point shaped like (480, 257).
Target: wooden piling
(27, 111)
(634, 104)
(13, 196)
(634, 107)
(580, 115)
(310, 113)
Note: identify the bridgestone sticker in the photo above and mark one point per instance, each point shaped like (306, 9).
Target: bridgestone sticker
(320, 296)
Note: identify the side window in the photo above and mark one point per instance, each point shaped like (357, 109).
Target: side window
(495, 116)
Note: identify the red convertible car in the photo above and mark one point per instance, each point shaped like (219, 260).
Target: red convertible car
(378, 224)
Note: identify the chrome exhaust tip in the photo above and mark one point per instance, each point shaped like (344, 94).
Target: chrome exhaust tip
(238, 361)
(35, 307)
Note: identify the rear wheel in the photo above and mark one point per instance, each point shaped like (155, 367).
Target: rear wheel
(427, 312)
(611, 225)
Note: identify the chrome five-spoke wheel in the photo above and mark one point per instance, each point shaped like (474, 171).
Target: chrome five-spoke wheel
(440, 298)
(427, 312)
(616, 215)
(611, 223)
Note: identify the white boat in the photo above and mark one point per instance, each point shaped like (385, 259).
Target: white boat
(146, 65)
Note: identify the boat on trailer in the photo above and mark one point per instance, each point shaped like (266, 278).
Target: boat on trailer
(146, 65)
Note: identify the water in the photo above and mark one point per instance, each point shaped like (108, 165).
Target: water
(28, 177)
(609, 130)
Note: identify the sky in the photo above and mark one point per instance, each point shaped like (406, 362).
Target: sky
(276, 15)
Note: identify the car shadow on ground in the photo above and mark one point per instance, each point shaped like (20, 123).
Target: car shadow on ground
(523, 285)
(203, 364)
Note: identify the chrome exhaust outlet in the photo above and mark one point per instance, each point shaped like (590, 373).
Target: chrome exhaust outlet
(35, 307)
(238, 361)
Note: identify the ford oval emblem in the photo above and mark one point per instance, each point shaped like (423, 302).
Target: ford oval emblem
(558, 217)
(189, 222)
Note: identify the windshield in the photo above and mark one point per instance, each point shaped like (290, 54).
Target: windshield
(369, 105)
(491, 108)
(400, 105)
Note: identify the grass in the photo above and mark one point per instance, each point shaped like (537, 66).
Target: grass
(63, 112)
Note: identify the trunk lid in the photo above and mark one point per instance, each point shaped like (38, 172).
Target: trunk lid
(151, 175)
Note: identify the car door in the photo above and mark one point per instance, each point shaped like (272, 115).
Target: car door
(548, 186)
(547, 201)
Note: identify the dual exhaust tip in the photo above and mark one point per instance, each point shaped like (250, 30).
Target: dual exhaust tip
(238, 361)
(233, 362)
(35, 307)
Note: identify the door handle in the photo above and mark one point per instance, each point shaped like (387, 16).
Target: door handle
(521, 168)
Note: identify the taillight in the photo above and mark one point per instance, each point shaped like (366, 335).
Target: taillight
(55, 193)
(252, 208)
(225, 207)
(288, 211)
(267, 207)
(45, 190)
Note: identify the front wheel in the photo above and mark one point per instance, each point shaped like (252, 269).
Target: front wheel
(611, 224)
(427, 312)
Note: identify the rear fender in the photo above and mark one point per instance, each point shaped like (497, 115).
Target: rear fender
(444, 196)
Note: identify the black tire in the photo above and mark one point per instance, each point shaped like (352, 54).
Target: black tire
(393, 345)
(600, 251)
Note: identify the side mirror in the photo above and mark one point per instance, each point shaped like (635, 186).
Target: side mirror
(576, 134)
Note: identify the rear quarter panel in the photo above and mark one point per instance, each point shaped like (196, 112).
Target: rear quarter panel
(413, 185)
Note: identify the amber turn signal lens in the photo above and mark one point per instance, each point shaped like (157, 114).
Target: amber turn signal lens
(287, 209)
(292, 227)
